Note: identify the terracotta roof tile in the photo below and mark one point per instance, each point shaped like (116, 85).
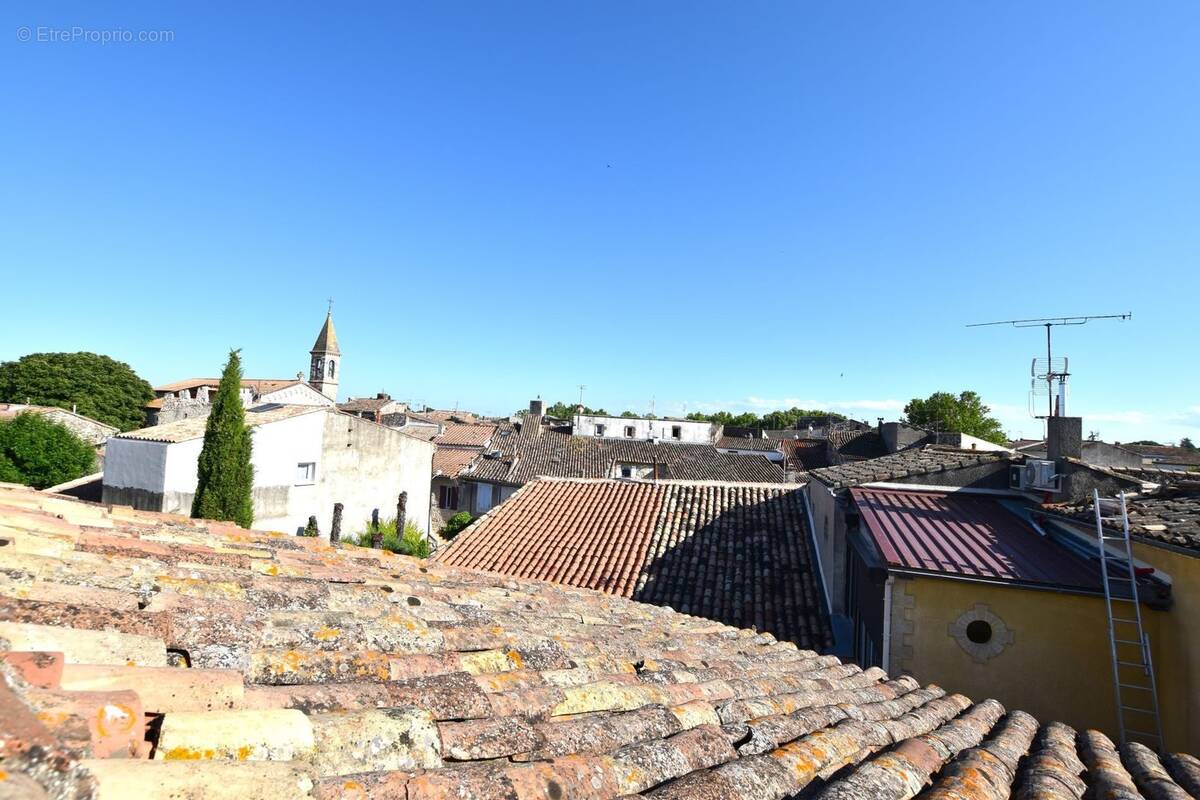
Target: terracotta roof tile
(297, 670)
(465, 435)
(682, 545)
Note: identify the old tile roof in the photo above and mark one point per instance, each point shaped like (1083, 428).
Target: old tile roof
(465, 435)
(966, 535)
(1171, 516)
(530, 449)
(855, 445)
(1164, 454)
(146, 655)
(451, 461)
(463, 417)
(804, 454)
(193, 428)
(327, 339)
(256, 385)
(747, 443)
(906, 463)
(738, 553)
(366, 404)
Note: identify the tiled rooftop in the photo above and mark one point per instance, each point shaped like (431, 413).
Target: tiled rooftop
(853, 445)
(450, 461)
(146, 655)
(738, 553)
(1167, 454)
(360, 404)
(747, 443)
(257, 385)
(193, 427)
(531, 449)
(1171, 517)
(465, 435)
(906, 463)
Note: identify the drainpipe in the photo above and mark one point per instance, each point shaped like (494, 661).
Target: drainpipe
(887, 623)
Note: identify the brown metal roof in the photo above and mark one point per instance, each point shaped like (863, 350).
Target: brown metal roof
(966, 535)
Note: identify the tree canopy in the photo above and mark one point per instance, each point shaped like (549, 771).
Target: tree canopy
(225, 474)
(774, 420)
(567, 410)
(1186, 443)
(966, 413)
(97, 386)
(40, 453)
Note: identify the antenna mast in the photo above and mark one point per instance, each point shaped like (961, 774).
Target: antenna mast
(1051, 374)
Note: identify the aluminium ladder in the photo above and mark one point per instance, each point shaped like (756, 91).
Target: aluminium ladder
(1134, 684)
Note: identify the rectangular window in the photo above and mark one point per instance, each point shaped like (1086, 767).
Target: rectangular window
(306, 473)
(483, 497)
(599, 430)
(676, 431)
(630, 431)
(626, 472)
(448, 497)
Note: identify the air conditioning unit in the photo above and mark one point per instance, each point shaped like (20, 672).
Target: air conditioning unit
(1035, 475)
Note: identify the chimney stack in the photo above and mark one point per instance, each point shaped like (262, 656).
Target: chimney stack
(1064, 438)
(879, 426)
(536, 407)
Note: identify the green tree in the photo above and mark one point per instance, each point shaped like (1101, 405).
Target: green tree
(1186, 443)
(966, 413)
(566, 411)
(40, 453)
(97, 386)
(628, 414)
(226, 476)
(774, 420)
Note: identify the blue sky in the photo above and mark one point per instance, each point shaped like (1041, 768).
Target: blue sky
(735, 205)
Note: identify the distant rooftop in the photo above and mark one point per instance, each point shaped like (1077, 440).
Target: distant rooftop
(193, 428)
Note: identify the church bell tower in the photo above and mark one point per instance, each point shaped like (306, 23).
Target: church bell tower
(326, 360)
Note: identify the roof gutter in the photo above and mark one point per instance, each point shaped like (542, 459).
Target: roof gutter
(887, 623)
(812, 535)
(928, 487)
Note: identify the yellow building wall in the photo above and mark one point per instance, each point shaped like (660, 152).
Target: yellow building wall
(1176, 646)
(1057, 666)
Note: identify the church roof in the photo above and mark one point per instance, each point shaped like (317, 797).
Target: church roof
(327, 339)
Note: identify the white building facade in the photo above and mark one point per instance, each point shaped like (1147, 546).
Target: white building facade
(645, 428)
(305, 458)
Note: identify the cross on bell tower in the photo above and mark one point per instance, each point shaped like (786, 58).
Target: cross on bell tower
(326, 359)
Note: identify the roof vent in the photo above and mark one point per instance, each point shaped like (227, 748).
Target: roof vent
(492, 454)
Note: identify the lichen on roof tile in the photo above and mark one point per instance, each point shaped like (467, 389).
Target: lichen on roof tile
(220, 662)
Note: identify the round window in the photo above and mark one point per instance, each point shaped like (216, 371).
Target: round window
(979, 631)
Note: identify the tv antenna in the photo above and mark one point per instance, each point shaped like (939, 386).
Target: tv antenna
(1052, 370)
(581, 388)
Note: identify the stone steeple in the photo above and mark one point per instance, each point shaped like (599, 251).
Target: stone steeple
(326, 360)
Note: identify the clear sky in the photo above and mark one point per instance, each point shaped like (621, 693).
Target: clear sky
(714, 205)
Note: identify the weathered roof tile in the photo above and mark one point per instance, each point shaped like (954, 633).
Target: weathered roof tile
(292, 671)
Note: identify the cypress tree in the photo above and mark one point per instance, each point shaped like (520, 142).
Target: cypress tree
(226, 476)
